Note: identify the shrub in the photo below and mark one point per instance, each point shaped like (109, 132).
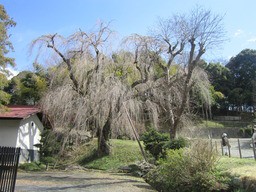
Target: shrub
(187, 169)
(176, 143)
(157, 143)
(33, 166)
(154, 142)
(49, 146)
(246, 132)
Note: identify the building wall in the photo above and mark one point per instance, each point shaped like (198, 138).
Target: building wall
(9, 132)
(29, 135)
(23, 133)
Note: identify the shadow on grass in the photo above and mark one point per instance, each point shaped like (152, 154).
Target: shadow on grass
(89, 158)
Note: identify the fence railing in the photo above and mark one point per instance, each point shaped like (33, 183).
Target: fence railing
(240, 147)
(9, 160)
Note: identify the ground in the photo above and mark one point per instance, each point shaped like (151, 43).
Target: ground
(86, 180)
(97, 181)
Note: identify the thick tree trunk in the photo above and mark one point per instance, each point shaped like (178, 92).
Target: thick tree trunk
(103, 137)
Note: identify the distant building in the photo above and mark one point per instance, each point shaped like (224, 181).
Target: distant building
(20, 126)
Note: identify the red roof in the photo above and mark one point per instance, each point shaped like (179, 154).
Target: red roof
(19, 112)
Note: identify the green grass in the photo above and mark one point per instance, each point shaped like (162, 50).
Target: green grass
(222, 124)
(238, 167)
(126, 152)
(211, 124)
(123, 152)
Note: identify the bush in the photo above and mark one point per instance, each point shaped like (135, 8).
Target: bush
(157, 143)
(49, 146)
(154, 142)
(246, 132)
(187, 169)
(33, 166)
(176, 143)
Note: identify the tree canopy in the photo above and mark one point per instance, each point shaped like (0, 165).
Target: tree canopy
(5, 45)
(243, 75)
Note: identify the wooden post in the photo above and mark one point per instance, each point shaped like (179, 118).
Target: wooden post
(222, 151)
(239, 147)
(253, 148)
(135, 134)
(216, 146)
(229, 154)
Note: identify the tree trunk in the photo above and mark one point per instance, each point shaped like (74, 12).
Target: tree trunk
(103, 137)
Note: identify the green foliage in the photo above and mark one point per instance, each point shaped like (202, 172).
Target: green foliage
(49, 147)
(176, 143)
(243, 72)
(154, 142)
(4, 96)
(208, 123)
(246, 132)
(219, 76)
(33, 166)
(157, 143)
(187, 169)
(27, 88)
(5, 45)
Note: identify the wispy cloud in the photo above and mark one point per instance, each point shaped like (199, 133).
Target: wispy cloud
(238, 32)
(252, 40)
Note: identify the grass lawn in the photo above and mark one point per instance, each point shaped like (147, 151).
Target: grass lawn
(123, 152)
(239, 167)
(223, 124)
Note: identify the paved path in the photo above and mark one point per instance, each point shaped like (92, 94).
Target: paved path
(89, 181)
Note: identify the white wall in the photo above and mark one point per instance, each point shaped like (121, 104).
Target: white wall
(29, 133)
(23, 133)
(9, 132)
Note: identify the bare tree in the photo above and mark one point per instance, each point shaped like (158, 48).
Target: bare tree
(181, 40)
(73, 105)
(153, 77)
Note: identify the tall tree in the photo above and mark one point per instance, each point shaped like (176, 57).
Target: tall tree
(26, 88)
(82, 59)
(5, 45)
(219, 76)
(4, 96)
(183, 40)
(243, 74)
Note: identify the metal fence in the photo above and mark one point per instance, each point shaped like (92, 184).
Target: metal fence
(9, 160)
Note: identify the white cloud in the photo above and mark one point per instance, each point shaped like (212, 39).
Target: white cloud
(13, 72)
(252, 40)
(238, 33)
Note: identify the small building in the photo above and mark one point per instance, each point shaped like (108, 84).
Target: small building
(20, 126)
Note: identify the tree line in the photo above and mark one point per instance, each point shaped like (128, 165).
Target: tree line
(160, 79)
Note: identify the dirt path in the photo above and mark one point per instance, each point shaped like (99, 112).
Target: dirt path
(89, 181)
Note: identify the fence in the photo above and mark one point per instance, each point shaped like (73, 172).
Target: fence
(241, 147)
(9, 160)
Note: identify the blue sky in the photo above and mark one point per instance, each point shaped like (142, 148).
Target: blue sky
(38, 17)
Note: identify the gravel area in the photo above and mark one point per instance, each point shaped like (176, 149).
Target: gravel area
(89, 181)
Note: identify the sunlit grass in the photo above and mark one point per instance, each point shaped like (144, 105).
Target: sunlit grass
(123, 152)
(236, 166)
